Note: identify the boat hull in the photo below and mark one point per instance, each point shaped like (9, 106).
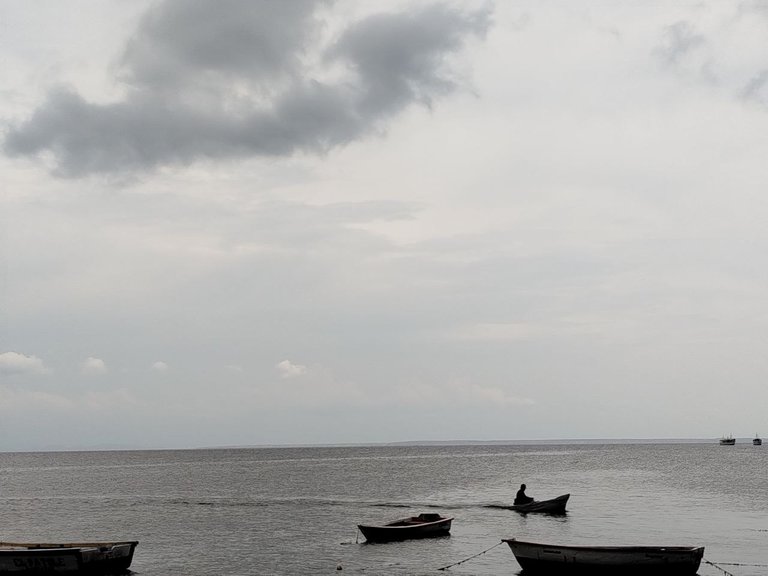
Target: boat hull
(88, 558)
(553, 506)
(407, 529)
(535, 558)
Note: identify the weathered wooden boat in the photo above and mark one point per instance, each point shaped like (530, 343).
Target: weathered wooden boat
(422, 526)
(89, 558)
(727, 441)
(553, 506)
(602, 560)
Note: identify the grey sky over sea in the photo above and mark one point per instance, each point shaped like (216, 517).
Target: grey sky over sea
(235, 222)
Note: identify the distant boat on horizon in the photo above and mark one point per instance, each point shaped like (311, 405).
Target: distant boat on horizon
(728, 440)
(757, 441)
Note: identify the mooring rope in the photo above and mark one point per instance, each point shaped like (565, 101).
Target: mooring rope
(470, 558)
(739, 564)
(718, 567)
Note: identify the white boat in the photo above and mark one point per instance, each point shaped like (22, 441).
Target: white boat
(549, 559)
(21, 559)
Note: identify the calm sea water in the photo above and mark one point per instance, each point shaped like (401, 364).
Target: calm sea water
(294, 511)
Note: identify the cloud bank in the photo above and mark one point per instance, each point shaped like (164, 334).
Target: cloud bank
(257, 79)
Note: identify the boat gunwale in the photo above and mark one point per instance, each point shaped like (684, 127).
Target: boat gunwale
(63, 545)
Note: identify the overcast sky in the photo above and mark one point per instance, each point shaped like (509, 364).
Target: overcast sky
(237, 222)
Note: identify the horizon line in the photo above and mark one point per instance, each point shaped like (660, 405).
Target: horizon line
(513, 442)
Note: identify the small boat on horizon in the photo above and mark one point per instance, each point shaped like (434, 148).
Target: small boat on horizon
(549, 559)
(757, 441)
(727, 440)
(92, 558)
(426, 525)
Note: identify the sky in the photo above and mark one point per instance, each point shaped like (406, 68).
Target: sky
(236, 222)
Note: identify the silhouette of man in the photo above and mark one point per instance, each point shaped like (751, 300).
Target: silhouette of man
(521, 498)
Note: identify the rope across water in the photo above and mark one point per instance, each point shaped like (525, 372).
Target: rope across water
(470, 558)
(719, 565)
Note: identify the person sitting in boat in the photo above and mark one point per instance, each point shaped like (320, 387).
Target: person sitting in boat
(521, 498)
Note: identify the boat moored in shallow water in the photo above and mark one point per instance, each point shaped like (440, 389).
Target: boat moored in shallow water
(551, 559)
(428, 525)
(92, 558)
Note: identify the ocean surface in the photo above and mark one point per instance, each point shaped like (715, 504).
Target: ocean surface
(295, 511)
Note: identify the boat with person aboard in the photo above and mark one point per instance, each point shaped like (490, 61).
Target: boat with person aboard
(727, 440)
(92, 558)
(550, 559)
(553, 506)
(426, 525)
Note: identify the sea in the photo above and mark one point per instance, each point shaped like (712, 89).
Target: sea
(295, 511)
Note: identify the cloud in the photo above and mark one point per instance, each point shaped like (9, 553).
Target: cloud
(452, 393)
(210, 42)
(236, 79)
(159, 366)
(92, 401)
(288, 369)
(399, 57)
(93, 366)
(565, 326)
(108, 399)
(496, 332)
(680, 41)
(12, 400)
(723, 53)
(16, 363)
(757, 88)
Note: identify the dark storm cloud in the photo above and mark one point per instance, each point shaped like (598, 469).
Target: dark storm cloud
(235, 78)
